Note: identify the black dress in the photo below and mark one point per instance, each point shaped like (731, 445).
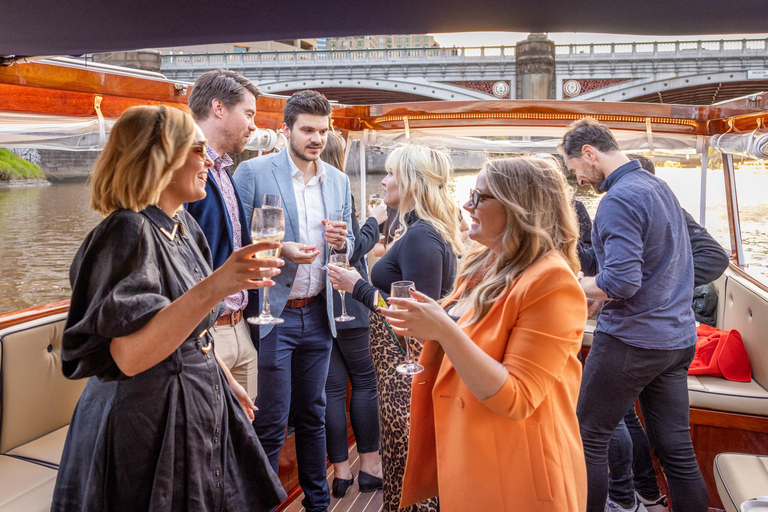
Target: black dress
(173, 437)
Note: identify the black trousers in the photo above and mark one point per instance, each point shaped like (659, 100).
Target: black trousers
(615, 374)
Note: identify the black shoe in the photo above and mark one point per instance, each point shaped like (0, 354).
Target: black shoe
(369, 483)
(340, 486)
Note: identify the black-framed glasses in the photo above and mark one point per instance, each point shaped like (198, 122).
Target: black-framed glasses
(475, 197)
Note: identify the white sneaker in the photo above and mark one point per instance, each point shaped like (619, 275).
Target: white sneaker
(612, 506)
(659, 505)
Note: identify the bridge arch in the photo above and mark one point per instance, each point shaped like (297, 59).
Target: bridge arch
(659, 84)
(405, 86)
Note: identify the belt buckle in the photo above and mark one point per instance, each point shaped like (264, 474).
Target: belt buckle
(208, 346)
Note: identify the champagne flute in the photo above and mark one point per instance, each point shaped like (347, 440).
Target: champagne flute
(341, 260)
(267, 225)
(374, 200)
(336, 216)
(401, 290)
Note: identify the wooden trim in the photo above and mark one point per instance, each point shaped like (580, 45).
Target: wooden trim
(729, 420)
(29, 314)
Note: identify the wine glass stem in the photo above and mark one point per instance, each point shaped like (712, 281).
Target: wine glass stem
(265, 306)
(407, 341)
(343, 304)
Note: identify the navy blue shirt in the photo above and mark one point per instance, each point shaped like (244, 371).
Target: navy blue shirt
(644, 255)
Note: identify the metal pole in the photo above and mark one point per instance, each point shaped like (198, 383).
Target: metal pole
(704, 149)
(737, 250)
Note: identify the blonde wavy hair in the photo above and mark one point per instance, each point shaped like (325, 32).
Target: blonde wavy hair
(422, 173)
(540, 219)
(144, 148)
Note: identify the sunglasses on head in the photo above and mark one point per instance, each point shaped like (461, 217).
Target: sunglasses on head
(475, 197)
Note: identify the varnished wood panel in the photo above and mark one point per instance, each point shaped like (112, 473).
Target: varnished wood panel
(715, 432)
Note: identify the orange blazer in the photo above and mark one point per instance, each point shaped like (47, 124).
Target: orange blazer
(519, 450)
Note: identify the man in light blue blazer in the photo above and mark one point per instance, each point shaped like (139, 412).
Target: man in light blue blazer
(294, 355)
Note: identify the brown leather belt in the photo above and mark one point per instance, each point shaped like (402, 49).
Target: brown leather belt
(300, 303)
(231, 319)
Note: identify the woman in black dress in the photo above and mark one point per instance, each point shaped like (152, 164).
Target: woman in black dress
(161, 424)
(426, 252)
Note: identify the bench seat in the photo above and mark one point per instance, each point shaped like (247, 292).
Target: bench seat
(740, 477)
(24, 486)
(718, 394)
(46, 449)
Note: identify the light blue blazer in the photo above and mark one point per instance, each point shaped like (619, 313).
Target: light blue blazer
(271, 174)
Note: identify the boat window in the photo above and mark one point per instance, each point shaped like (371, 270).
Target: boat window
(751, 183)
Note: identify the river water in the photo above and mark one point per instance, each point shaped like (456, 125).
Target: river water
(41, 228)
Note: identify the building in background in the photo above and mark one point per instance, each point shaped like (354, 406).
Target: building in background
(385, 41)
(287, 45)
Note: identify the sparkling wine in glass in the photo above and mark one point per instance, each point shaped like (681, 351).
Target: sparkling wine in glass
(341, 260)
(374, 200)
(333, 217)
(401, 290)
(267, 225)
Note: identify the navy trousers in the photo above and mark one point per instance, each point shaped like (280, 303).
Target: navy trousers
(293, 366)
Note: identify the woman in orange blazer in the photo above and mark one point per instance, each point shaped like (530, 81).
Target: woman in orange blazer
(493, 415)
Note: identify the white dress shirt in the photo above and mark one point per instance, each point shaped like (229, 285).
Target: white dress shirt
(310, 279)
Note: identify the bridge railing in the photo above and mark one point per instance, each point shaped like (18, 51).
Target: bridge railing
(682, 49)
(212, 60)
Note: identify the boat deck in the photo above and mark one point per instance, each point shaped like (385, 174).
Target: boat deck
(354, 501)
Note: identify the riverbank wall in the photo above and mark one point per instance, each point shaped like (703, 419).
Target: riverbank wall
(67, 166)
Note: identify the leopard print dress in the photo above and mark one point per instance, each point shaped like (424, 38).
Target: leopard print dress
(394, 414)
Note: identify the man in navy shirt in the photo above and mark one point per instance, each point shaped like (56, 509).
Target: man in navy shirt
(645, 336)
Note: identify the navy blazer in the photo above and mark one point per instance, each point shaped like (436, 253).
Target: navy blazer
(271, 174)
(211, 213)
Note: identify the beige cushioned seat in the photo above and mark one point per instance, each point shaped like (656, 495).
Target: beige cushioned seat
(46, 449)
(24, 486)
(739, 478)
(36, 397)
(37, 402)
(742, 308)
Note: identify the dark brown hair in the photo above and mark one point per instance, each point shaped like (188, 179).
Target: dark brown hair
(587, 131)
(221, 84)
(305, 102)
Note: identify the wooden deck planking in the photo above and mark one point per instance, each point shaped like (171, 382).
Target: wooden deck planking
(354, 501)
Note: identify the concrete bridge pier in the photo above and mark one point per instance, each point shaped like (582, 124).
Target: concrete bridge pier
(535, 61)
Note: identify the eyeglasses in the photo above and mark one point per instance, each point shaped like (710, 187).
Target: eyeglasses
(200, 149)
(475, 197)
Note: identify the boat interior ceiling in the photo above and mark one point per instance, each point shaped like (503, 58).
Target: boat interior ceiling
(45, 27)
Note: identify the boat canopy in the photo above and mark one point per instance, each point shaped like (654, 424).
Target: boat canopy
(48, 27)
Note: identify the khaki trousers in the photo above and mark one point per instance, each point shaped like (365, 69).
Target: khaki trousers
(236, 350)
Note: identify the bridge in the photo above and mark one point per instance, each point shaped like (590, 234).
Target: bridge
(685, 72)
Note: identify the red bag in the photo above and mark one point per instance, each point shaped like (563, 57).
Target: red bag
(720, 354)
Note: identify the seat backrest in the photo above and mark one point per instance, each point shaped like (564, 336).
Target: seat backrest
(35, 397)
(720, 284)
(745, 308)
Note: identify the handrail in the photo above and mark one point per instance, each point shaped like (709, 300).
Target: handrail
(29, 314)
(458, 53)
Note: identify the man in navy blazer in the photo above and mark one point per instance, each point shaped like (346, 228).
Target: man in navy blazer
(223, 104)
(294, 356)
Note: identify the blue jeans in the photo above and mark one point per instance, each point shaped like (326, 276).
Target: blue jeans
(293, 366)
(615, 374)
(630, 463)
(351, 361)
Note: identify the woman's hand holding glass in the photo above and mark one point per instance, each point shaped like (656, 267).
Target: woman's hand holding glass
(243, 270)
(420, 317)
(342, 279)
